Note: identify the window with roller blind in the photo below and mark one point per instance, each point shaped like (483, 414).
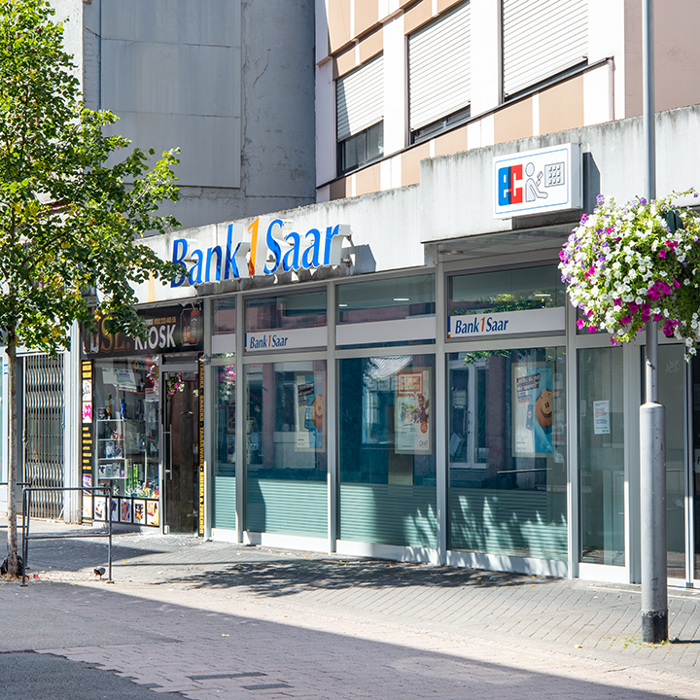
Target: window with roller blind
(542, 39)
(439, 74)
(359, 116)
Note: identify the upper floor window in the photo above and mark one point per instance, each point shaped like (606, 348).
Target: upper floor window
(359, 116)
(542, 39)
(439, 73)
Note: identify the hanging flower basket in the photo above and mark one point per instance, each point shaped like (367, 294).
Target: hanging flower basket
(626, 265)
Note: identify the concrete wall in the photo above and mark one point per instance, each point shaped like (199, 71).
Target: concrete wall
(455, 198)
(457, 190)
(229, 82)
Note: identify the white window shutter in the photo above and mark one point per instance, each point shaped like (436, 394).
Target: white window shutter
(540, 39)
(360, 99)
(439, 58)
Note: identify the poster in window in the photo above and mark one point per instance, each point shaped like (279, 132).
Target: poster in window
(152, 513)
(412, 424)
(309, 390)
(125, 510)
(139, 511)
(100, 508)
(532, 408)
(601, 417)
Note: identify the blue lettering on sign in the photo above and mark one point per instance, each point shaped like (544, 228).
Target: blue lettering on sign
(275, 250)
(480, 324)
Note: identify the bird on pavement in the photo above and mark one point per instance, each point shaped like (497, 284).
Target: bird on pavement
(99, 571)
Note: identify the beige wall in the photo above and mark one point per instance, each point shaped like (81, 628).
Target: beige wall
(410, 164)
(561, 107)
(339, 22)
(677, 54)
(514, 122)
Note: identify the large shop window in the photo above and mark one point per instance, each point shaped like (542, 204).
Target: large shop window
(400, 310)
(439, 74)
(387, 450)
(286, 448)
(542, 39)
(224, 427)
(601, 456)
(127, 453)
(359, 116)
(507, 452)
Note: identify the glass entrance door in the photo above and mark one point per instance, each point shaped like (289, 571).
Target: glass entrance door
(181, 450)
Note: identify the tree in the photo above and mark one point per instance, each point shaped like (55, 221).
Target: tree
(70, 224)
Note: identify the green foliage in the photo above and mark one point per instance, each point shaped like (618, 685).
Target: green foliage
(69, 223)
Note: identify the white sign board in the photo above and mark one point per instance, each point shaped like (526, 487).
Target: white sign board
(537, 182)
(484, 325)
(286, 339)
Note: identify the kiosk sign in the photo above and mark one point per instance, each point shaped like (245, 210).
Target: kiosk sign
(537, 182)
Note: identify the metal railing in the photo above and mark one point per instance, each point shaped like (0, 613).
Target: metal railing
(27, 492)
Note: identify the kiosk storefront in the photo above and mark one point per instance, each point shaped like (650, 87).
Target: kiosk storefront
(140, 422)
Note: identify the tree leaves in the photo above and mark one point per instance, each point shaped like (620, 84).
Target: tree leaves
(68, 221)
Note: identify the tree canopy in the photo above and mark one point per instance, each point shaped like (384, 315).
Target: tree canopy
(72, 212)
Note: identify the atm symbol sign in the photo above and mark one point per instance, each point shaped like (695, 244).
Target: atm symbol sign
(510, 188)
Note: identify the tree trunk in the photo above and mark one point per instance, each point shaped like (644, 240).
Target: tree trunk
(13, 567)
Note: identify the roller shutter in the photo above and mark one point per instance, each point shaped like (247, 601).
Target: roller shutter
(360, 99)
(439, 68)
(540, 39)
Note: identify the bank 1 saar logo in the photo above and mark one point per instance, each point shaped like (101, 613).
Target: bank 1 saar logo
(538, 181)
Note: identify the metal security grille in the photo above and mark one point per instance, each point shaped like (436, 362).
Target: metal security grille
(43, 431)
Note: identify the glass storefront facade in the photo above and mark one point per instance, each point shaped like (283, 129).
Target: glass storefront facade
(339, 420)
(386, 450)
(507, 452)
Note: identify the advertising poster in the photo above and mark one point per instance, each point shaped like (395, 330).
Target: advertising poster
(309, 410)
(139, 510)
(87, 400)
(125, 510)
(152, 513)
(601, 417)
(532, 408)
(100, 508)
(412, 417)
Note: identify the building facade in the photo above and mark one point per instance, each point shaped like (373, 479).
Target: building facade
(400, 375)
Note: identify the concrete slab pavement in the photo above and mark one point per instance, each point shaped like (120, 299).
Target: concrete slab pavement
(205, 619)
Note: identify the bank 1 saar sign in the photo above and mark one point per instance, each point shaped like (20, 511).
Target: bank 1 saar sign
(266, 246)
(537, 182)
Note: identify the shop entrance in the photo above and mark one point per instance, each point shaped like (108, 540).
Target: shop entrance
(181, 450)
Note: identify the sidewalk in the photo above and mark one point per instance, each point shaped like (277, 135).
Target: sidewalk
(200, 596)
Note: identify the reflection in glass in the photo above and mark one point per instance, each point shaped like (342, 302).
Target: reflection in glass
(507, 452)
(286, 454)
(286, 311)
(225, 446)
(224, 313)
(672, 395)
(386, 300)
(601, 456)
(387, 451)
(506, 290)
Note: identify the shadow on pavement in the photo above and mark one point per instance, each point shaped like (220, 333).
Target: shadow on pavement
(227, 653)
(279, 578)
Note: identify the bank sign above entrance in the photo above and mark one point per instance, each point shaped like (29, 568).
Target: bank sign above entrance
(538, 182)
(477, 326)
(265, 247)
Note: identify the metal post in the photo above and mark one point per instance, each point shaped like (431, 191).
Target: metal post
(652, 415)
(25, 534)
(109, 529)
